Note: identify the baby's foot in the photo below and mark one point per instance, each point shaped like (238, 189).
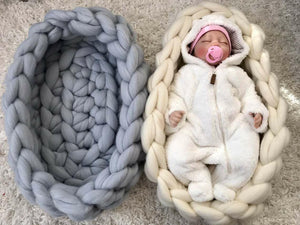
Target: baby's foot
(223, 193)
(201, 192)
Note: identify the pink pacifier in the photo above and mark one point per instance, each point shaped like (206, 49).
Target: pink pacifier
(214, 55)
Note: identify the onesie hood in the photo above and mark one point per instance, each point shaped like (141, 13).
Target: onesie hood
(239, 50)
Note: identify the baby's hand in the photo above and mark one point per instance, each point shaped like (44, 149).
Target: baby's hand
(175, 118)
(257, 119)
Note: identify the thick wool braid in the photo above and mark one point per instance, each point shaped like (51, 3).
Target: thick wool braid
(249, 200)
(73, 113)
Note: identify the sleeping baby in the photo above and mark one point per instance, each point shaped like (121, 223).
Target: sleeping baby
(214, 114)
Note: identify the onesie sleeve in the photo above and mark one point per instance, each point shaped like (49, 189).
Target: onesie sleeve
(176, 102)
(251, 102)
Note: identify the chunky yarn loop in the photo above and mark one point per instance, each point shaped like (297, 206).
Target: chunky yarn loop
(249, 200)
(75, 96)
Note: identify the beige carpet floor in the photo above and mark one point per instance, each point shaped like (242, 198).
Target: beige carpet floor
(150, 18)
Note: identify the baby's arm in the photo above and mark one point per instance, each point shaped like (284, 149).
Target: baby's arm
(255, 111)
(177, 108)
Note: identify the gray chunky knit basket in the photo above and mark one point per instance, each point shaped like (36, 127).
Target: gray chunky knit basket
(73, 112)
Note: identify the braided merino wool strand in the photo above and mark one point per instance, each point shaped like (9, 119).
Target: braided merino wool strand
(74, 100)
(249, 199)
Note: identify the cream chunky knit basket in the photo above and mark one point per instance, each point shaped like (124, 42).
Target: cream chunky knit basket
(249, 199)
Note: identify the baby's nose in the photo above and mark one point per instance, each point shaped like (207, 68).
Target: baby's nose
(215, 42)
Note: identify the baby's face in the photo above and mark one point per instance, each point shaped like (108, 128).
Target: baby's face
(209, 39)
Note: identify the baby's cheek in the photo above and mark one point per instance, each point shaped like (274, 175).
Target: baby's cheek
(225, 57)
(200, 53)
(226, 54)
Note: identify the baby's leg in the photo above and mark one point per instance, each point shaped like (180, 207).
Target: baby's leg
(184, 161)
(200, 187)
(242, 151)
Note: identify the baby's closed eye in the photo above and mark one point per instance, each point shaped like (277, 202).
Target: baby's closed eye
(223, 41)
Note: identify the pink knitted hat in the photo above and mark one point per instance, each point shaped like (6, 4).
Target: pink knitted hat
(210, 28)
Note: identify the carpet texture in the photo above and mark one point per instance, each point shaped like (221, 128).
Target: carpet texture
(280, 21)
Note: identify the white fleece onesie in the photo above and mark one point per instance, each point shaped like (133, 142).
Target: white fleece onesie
(216, 127)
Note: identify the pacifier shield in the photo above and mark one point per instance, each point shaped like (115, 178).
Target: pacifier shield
(214, 54)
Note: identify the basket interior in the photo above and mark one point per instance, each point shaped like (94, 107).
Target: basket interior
(74, 109)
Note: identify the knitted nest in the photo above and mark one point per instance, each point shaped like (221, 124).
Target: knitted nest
(249, 199)
(73, 107)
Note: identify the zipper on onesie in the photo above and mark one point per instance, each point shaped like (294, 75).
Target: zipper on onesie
(213, 81)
